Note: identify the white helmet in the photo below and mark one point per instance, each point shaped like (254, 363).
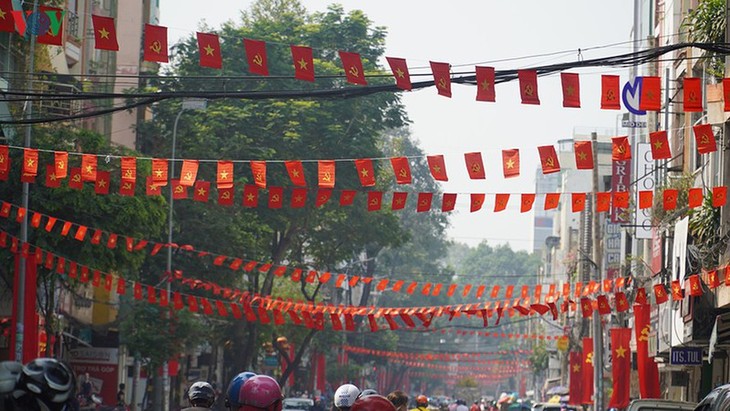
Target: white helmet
(9, 373)
(346, 395)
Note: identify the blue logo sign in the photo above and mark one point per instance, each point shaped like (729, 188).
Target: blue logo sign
(630, 96)
(38, 23)
(686, 356)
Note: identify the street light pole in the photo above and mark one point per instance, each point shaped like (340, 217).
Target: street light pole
(187, 104)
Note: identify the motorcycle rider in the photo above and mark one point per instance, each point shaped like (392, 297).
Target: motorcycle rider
(421, 403)
(399, 400)
(261, 393)
(201, 396)
(233, 392)
(345, 396)
(372, 403)
(44, 384)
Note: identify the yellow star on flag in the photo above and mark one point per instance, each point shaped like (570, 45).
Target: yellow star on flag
(485, 85)
(52, 177)
(510, 163)
(224, 175)
(2, 14)
(158, 173)
(364, 172)
(303, 65)
(298, 199)
(400, 73)
(582, 155)
(208, 50)
(201, 191)
(250, 197)
(102, 183)
(89, 169)
(657, 145)
(295, 173)
(104, 33)
(620, 352)
(576, 368)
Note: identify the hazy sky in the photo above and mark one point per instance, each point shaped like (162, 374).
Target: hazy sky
(506, 34)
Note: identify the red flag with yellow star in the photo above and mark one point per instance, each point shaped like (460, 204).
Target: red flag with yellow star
(188, 172)
(250, 195)
(30, 162)
(485, 84)
(528, 86)
(4, 159)
(401, 169)
(347, 197)
(587, 370)
(209, 49)
(50, 37)
(622, 302)
(548, 159)
(651, 94)
(705, 138)
(692, 94)
(365, 172)
(511, 163)
(352, 64)
(400, 72)
(571, 89)
(583, 155)
(256, 56)
(155, 43)
(399, 200)
(677, 292)
(201, 191)
(610, 92)
(296, 172)
(52, 181)
(586, 307)
(159, 171)
(719, 196)
(105, 34)
(437, 167)
(576, 378)
(326, 173)
(298, 198)
(224, 175)
(7, 22)
(152, 188)
(669, 200)
(713, 280)
(620, 148)
(621, 367)
(660, 149)
(474, 165)
(303, 63)
(101, 185)
(442, 77)
(88, 167)
(477, 200)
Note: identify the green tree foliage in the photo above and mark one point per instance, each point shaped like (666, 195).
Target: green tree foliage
(706, 24)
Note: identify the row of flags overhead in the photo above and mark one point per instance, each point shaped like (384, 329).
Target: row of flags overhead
(155, 45)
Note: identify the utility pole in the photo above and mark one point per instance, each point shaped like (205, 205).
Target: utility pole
(596, 256)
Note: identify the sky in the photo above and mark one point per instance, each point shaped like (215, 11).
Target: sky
(505, 34)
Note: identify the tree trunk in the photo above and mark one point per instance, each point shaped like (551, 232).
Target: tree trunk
(292, 364)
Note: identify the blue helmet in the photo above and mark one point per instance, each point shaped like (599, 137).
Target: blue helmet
(234, 388)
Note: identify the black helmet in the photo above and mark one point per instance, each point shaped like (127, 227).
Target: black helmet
(49, 381)
(201, 394)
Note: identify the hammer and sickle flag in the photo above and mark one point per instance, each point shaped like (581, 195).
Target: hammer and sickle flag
(402, 170)
(647, 368)
(610, 92)
(442, 77)
(352, 64)
(705, 138)
(155, 43)
(256, 56)
(621, 149)
(528, 86)
(475, 165)
(549, 159)
(692, 87)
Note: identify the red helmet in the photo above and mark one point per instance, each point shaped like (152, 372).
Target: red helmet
(422, 400)
(261, 392)
(372, 403)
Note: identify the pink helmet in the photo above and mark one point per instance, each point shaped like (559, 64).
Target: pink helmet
(261, 392)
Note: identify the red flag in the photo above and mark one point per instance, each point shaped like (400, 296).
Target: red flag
(660, 149)
(60, 164)
(660, 294)
(705, 138)
(225, 196)
(352, 64)
(365, 172)
(651, 94)
(485, 83)
(621, 364)
(511, 163)
(695, 285)
(587, 370)
(477, 200)
(51, 37)
(648, 370)
(256, 56)
(224, 175)
(583, 155)
(610, 94)
(402, 170)
(347, 197)
(129, 168)
(577, 201)
(75, 179)
(692, 94)
(528, 86)
(298, 198)
(209, 48)
(646, 199)
(726, 93)
(604, 307)
(442, 77)
(474, 166)
(677, 292)
(528, 199)
(448, 201)
(399, 200)
(622, 302)
(323, 196)
(326, 173)
(670, 198)
(201, 191)
(30, 162)
(424, 202)
(586, 306)
(549, 159)
(400, 72)
(51, 180)
(188, 173)
(719, 196)
(603, 202)
(155, 43)
(159, 171)
(103, 179)
(303, 63)
(576, 378)
(179, 191)
(296, 173)
(276, 197)
(437, 166)
(571, 89)
(250, 195)
(4, 158)
(620, 199)
(620, 149)
(88, 167)
(375, 198)
(258, 170)
(500, 202)
(152, 189)
(105, 34)
(552, 200)
(7, 22)
(695, 197)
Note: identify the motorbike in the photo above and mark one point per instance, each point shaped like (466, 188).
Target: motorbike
(95, 403)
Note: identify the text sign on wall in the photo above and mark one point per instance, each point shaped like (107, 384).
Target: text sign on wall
(686, 356)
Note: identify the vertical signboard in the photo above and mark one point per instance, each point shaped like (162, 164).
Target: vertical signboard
(612, 250)
(102, 365)
(645, 181)
(620, 180)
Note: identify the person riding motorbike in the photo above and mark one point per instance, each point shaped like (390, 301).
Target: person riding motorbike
(233, 400)
(372, 403)
(345, 396)
(421, 403)
(201, 396)
(261, 393)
